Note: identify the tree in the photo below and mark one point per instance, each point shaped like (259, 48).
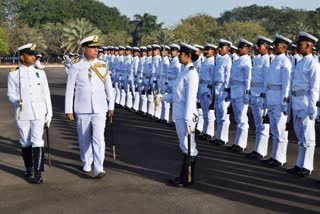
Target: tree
(142, 26)
(75, 31)
(248, 30)
(23, 34)
(53, 32)
(4, 47)
(117, 38)
(196, 29)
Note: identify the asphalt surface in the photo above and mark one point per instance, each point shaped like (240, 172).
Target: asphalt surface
(147, 156)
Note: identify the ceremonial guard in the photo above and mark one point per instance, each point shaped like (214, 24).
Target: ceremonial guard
(234, 53)
(146, 92)
(240, 94)
(259, 70)
(222, 91)
(28, 91)
(89, 81)
(276, 94)
(305, 94)
(295, 56)
(173, 71)
(206, 96)
(163, 80)
(184, 100)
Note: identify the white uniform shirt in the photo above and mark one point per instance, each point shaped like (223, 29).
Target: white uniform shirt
(240, 76)
(134, 67)
(147, 66)
(306, 77)
(174, 68)
(165, 67)
(91, 94)
(155, 72)
(184, 96)
(222, 73)
(140, 72)
(34, 91)
(259, 70)
(278, 75)
(197, 64)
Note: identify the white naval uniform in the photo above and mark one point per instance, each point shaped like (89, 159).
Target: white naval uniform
(138, 83)
(93, 99)
(128, 77)
(277, 86)
(173, 71)
(220, 83)
(155, 74)
(259, 70)
(36, 103)
(184, 100)
(205, 94)
(165, 106)
(305, 94)
(146, 84)
(240, 84)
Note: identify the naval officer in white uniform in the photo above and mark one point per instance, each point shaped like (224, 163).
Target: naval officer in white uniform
(184, 103)
(89, 81)
(28, 91)
(305, 94)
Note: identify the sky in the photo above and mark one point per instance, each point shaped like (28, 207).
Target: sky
(172, 11)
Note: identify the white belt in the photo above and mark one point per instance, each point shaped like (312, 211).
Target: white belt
(236, 82)
(257, 84)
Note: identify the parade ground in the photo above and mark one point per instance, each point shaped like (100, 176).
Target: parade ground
(147, 156)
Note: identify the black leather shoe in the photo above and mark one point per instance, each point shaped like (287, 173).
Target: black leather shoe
(209, 137)
(304, 172)
(275, 164)
(221, 143)
(268, 161)
(213, 141)
(294, 170)
(238, 149)
(232, 148)
(198, 132)
(254, 155)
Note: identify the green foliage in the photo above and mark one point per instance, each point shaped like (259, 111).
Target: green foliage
(4, 47)
(75, 31)
(117, 38)
(39, 12)
(143, 26)
(196, 29)
(234, 30)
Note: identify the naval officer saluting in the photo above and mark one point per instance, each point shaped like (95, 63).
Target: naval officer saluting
(89, 81)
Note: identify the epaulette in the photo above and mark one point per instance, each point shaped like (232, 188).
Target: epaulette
(75, 60)
(38, 68)
(191, 68)
(14, 69)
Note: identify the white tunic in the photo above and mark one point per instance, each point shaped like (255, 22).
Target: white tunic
(34, 91)
(91, 94)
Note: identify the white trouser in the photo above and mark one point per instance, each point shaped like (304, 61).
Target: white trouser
(117, 87)
(143, 103)
(165, 111)
(30, 132)
(136, 101)
(240, 113)
(158, 110)
(200, 120)
(279, 134)
(181, 128)
(208, 119)
(122, 97)
(262, 130)
(305, 132)
(90, 129)
(150, 104)
(223, 120)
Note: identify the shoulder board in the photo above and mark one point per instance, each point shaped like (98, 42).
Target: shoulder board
(38, 68)
(14, 69)
(75, 60)
(191, 68)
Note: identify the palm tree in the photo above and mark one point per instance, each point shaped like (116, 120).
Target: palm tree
(75, 31)
(143, 26)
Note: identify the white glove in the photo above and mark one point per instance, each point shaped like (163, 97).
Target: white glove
(157, 99)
